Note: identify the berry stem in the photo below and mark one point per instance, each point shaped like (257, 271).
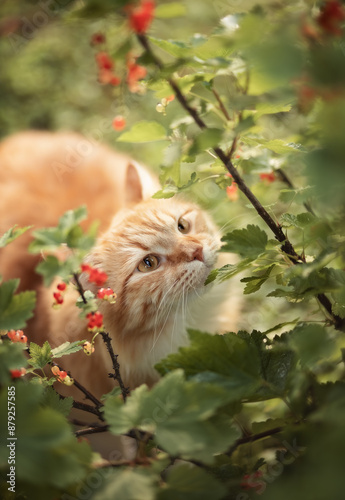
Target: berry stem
(79, 287)
(116, 366)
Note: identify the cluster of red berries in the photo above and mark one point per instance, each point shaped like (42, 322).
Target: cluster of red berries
(62, 376)
(17, 336)
(232, 191)
(58, 295)
(331, 16)
(106, 74)
(88, 348)
(20, 372)
(140, 16)
(95, 275)
(95, 321)
(271, 177)
(253, 481)
(107, 294)
(135, 72)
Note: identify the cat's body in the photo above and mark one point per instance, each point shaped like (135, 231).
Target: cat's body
(41, 176)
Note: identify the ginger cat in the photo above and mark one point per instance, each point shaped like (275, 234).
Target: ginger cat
(156, 253)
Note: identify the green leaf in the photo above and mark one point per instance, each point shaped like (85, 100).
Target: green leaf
(208, 138)
(11, 357)
(40, 356)
(176, 49)
(15, 310)
(276, 145)
(191, 483)
(144, 131)
(301, 220)
(228, 271)
(128, 484)
(247, 366)
(169, 10)
(169, 190)
(338, 309)
(66, 232)
(49, 268)
(226, 360)
(12, 234)
(47, 452)
(70, 219)
(254, 283)
(67, 348)
(248, 242)
(52, 399)
(180, 413)
(312, 343)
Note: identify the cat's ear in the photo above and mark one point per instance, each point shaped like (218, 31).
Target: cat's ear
(134, 188)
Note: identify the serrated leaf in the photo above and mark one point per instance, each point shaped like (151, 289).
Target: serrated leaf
(40, 356)
(312, 343)
(168, 191)
(67, 348)
(46, 445)
(66, 232)
(11, 357)
(338, 309)
(12, 234)
(228, 271)
(49, 268)
(176, 49)
(254, 283)
(248, 242)
(52, 399)
(15, 310)
(226, 360)
(144, 131)
(70, 219)
(181, 414)
(245, 365)
(128, 484)
(267, 425)
(276, 145)
(301, 221)
(186, 483)
(206, 139)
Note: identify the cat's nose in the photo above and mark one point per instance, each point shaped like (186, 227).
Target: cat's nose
(198, 254)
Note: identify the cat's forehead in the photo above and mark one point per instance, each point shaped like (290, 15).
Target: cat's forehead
(165, 214)
(154, 224)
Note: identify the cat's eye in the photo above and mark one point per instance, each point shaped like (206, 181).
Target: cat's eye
(149, 263)
(183, 225)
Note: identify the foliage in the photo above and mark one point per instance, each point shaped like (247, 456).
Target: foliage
(255, 134)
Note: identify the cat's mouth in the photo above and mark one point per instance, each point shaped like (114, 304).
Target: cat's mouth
(195, 275)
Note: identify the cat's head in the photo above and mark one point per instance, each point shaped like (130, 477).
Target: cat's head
(156, 254)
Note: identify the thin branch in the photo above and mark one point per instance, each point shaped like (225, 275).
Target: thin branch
(221, 105)
(107, 340)
(79, 288)
(288, 182)
(92, 430)
(87, 393)
(88, 408)
(286, 247)
(82, 389)
(116, 366)
(252, 438)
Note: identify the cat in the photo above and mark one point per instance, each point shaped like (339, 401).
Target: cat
(156, 254)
